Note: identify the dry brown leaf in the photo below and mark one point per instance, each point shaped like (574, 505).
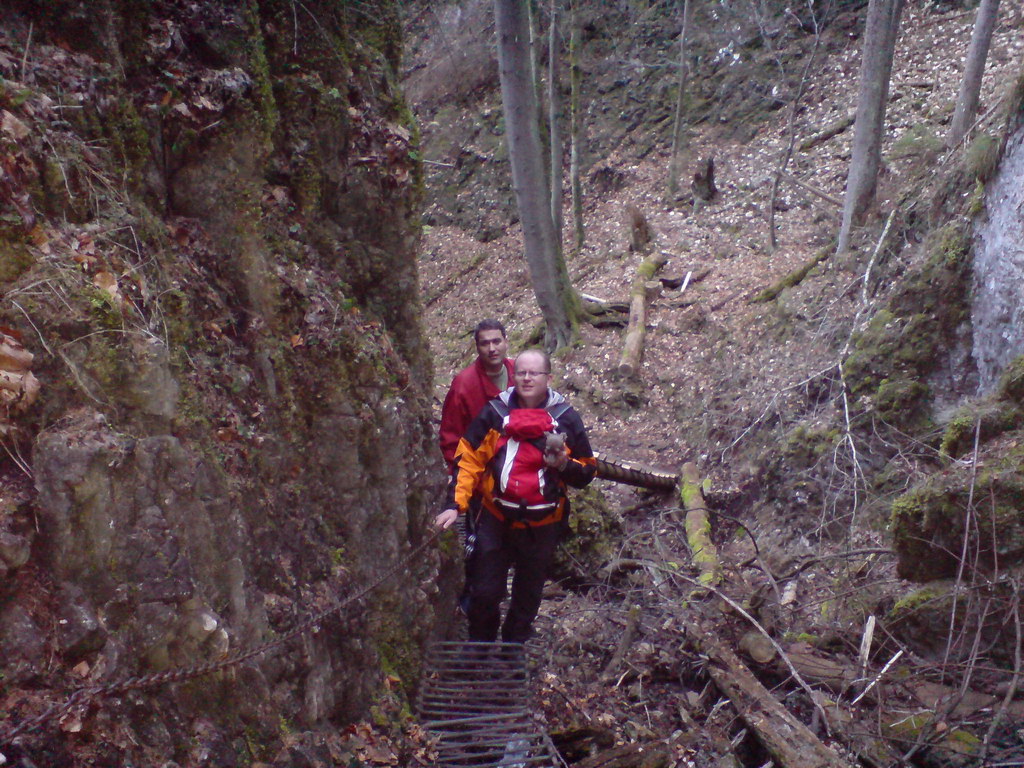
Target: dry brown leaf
(12, 126)
(13, 356)
(378, 756)
(107, 283)
(71, 722)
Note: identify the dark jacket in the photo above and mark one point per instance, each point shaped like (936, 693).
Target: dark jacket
(473, 469)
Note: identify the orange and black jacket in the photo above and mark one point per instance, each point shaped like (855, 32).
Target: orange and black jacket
(473, 468)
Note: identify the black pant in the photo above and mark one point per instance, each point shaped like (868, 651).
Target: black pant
(498, 547)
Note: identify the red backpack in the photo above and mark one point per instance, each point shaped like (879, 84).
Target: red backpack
(524, 486)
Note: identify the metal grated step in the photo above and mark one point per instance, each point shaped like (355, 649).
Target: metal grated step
(475, 699)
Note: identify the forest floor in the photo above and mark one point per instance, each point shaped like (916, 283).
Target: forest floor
(717, 371)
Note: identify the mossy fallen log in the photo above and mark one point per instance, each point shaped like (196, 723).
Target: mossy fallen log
(698, 527)
(792, 279)
(633, 345)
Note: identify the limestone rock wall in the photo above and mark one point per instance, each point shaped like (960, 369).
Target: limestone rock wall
(207, 240)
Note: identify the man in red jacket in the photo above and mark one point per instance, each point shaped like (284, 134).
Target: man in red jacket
(476, 385)
(472, 388)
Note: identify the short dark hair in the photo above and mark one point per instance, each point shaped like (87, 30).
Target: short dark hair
(489, 324)
(542, 353)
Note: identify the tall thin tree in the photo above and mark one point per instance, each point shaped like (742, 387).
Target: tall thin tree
(974, 68)
(873, 94)
(676, 161)
(554, 121)
(550, 279)
(575, 125)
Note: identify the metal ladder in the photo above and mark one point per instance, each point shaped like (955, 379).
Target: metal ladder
(475, 698)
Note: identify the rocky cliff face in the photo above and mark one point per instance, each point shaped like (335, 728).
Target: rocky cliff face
(207, 232)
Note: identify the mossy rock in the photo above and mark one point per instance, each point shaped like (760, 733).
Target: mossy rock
(922, 618)
(956, 747)
(982, 157)
(900, 341)
(594, 533)
(901, 402)
(928, 521)
(15, 259)
(804, 446)
(1011, 383)
(992, 419)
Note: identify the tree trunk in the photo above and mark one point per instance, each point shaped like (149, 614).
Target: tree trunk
(677, 129)
(554, 117)
(633, 346)
(970, 86)
(575, 127)
(548, 274)
(875, 71)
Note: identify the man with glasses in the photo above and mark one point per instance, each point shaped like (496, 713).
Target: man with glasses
(520, 452)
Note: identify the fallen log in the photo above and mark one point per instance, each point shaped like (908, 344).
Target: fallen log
(633, 346)
(790, 743)
(834, 129)
(841, 678)
(698, 527)
(629, 756)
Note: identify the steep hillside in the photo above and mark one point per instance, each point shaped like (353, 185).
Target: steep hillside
(818, 394)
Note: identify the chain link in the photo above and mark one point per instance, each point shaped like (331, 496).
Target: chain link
(88, 693)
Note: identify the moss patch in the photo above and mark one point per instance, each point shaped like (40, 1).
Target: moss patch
(592, 537)
(929, 522)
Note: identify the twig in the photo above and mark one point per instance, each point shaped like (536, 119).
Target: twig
(865, 646)
(624, 644)
(19, 462)
(686, 282)
(1014, 681)
(958, 584)
(24, 58)
(878, 677)
(874, 256)
(38, 332)
(813, 190)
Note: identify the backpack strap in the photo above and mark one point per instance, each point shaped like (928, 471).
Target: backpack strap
(558, 410)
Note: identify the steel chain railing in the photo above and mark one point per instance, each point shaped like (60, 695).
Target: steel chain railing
(607, 468)
(138, 682)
